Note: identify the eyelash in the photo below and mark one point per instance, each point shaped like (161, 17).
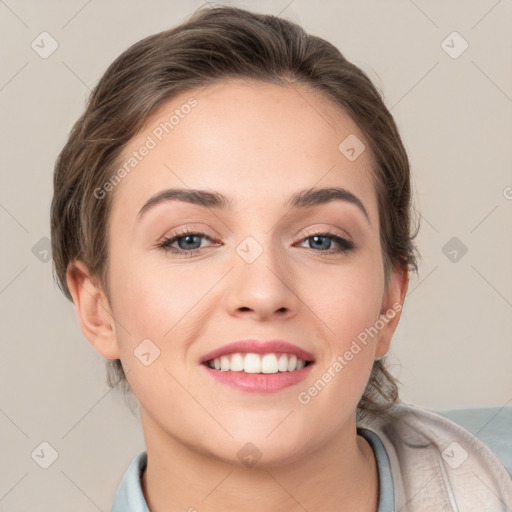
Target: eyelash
(346, 246)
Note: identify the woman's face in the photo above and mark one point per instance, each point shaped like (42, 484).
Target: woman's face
(257, 267)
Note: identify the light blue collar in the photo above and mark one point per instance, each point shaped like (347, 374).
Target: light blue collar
(130, 498)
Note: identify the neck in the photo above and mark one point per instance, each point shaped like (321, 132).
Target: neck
(340, 475)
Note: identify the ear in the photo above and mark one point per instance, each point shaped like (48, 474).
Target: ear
(93, 310)
(391, 309)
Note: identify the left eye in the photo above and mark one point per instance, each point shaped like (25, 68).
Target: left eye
(325, 240)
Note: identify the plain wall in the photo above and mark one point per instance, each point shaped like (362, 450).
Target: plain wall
(453, 346)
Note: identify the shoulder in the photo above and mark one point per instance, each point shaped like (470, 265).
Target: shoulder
(435, 462)
(129, 496)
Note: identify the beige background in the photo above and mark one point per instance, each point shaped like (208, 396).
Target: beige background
(453, 347)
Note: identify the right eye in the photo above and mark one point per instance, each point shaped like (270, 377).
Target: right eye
(188, 243)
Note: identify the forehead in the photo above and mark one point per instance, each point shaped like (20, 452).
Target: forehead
(246, 139)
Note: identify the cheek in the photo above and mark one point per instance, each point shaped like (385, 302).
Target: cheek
(150, 297)
(347, 301)
(164, 304)
(348, 311)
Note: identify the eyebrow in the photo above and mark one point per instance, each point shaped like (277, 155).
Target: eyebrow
(306, 198)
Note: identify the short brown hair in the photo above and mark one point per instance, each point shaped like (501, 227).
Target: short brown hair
(217, 43)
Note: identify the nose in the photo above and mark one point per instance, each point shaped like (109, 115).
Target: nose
(261, 289)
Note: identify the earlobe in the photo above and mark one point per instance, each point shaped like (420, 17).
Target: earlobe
(391, 309)
(93, 310)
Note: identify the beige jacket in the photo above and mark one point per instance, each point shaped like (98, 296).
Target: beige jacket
(438, 466)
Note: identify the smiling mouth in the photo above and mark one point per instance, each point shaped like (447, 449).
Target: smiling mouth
(258, 363)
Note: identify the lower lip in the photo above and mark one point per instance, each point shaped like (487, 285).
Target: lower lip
(260, 382)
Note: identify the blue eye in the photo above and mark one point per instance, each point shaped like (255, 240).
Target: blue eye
(189, 243)
(325, 240)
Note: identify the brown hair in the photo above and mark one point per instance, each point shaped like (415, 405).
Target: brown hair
(214, 44)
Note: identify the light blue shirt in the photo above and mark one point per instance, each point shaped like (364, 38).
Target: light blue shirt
(130, 498)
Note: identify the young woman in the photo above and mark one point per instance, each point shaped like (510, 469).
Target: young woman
(232, 220)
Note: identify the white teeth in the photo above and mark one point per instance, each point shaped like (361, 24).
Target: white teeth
(237, 363)
(269, 363)
(224, 363)
(252, 363)
(256, 363)
(282, 365)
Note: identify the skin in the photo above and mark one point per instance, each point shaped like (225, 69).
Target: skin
(257, 144)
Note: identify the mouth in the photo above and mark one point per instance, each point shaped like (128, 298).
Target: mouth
(254, 363)
(258, 366)
(262, 374)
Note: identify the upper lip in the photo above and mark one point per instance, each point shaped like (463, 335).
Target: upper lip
(258, 347)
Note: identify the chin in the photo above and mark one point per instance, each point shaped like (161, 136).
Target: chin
(261, 452)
